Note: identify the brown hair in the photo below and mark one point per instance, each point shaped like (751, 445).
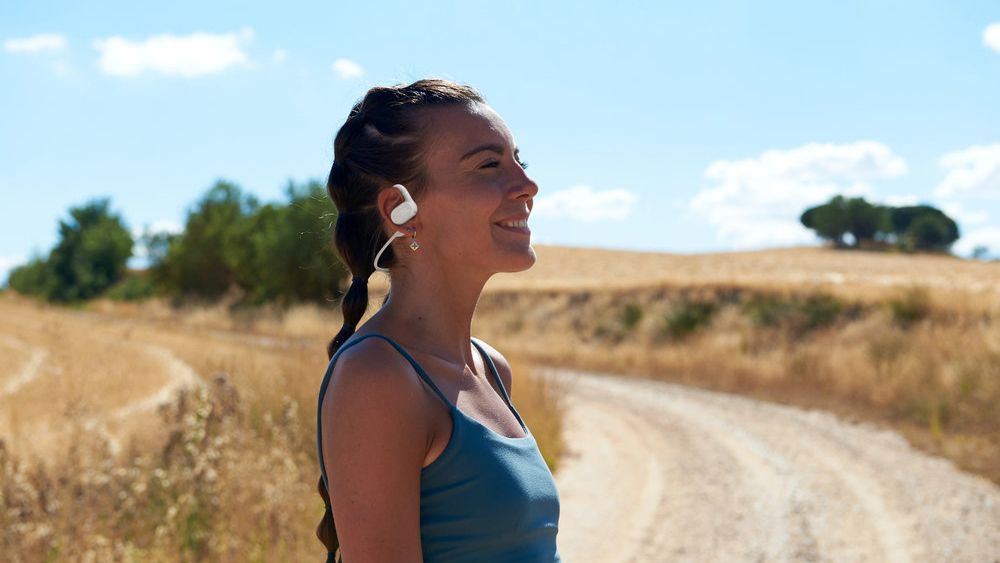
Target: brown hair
(380, 144)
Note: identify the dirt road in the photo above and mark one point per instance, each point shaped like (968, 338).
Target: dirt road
(660, 472)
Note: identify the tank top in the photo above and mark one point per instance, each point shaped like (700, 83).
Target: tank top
(486, 498)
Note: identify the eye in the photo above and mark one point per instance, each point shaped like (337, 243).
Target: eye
(494, 164)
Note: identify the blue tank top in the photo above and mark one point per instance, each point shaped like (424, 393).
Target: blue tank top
(486, 498)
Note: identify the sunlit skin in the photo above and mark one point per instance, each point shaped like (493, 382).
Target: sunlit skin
(435, 288)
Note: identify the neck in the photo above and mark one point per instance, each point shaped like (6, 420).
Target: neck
(432, 311)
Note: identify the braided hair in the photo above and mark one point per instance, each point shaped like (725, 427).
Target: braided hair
(381, 143)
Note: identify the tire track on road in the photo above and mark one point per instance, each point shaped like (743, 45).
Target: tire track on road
(31, 368)
(735, 479)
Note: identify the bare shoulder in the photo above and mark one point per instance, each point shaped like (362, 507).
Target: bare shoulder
(373, 452)
(503, 368)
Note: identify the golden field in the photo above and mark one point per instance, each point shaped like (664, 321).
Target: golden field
(93, 467)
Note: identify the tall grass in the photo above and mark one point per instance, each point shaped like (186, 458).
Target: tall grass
(226, 472)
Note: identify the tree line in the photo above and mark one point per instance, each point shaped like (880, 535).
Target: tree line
(234, 245)
(231, 244)
(907, 228)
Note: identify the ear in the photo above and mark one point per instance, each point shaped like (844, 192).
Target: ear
(387, 200)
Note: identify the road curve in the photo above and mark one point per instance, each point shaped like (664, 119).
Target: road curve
(662, 472)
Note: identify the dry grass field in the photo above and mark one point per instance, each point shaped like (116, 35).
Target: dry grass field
(94, 469)
(143, 433)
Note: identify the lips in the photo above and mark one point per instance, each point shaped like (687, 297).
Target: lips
(520, 230)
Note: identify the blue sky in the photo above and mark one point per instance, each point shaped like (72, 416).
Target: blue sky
(677, 127)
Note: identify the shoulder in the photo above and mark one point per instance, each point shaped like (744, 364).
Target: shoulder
(373, 384)
(374, 368)
(503, 367)
(373, 450)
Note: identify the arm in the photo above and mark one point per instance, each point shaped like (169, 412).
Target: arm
(373, 452)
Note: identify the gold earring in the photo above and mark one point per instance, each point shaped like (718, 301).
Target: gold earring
(414, 245)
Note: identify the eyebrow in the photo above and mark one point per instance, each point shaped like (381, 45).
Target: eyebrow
(487, 147)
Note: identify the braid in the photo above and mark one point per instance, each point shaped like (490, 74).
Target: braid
(381, 143)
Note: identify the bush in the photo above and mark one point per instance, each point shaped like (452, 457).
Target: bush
(797, 314)
(134, 287)
(688, 317)
(631, 315)
(766, 310)
(910, 307)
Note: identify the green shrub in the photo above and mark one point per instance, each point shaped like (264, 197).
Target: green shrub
(798, 314)
(134, 287)
(688, 317)
(819, 310)
(766, 310)
(631, 315)
(910, 307)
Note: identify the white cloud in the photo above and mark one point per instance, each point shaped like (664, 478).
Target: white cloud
(960, 214)
(583, 203)
(346, 68)
(191, 55)
(986, 236)
(757, 202)
(991, 36)
(902, 200)
(35, 43)
(158, 226)
(974, 172)
(279, 56)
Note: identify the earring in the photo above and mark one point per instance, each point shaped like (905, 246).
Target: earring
(414, 245)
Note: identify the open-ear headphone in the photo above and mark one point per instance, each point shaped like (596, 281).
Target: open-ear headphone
(399, 215)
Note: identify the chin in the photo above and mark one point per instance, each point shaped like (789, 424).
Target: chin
(520, 261)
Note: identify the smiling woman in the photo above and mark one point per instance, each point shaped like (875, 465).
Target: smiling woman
(415, 467)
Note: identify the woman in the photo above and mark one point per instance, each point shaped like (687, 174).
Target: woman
(422, 452)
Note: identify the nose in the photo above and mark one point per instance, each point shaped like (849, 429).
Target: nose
(527, 185)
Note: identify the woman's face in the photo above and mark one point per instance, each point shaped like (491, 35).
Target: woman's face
(475, 181)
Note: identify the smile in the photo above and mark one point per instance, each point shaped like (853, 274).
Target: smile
(520, 227)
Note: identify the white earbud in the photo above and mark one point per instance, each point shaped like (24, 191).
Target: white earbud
(399, 215)
(406, 210)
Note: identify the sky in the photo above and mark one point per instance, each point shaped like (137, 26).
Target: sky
(680, 127)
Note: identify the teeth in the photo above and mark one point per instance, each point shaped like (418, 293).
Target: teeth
(521, 223)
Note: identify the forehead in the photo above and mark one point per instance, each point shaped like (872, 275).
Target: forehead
(456, 129)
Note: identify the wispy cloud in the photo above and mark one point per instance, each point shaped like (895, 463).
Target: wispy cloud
(279, 56)
(985, 236)
(991, 36)
(757, 202)
(346, 68)
(956, 210)
(971, 172)
(584, 203)
(190, 55)
(35, 43)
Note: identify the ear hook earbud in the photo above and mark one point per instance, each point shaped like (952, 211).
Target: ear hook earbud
(399, 215)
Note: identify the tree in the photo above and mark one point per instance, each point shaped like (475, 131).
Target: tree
(91, 255)
(923, 227)
(930, 231)
(33, 278)
(830, 220)
(293, 258)
(205, 259)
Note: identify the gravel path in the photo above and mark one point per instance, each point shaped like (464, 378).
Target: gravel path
(29, 371)
(661, 472)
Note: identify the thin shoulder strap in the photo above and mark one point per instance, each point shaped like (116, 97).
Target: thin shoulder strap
(496, 375)
(420, 370)
(326, 380)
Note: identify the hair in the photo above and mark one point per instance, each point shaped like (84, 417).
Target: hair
(381, 143)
